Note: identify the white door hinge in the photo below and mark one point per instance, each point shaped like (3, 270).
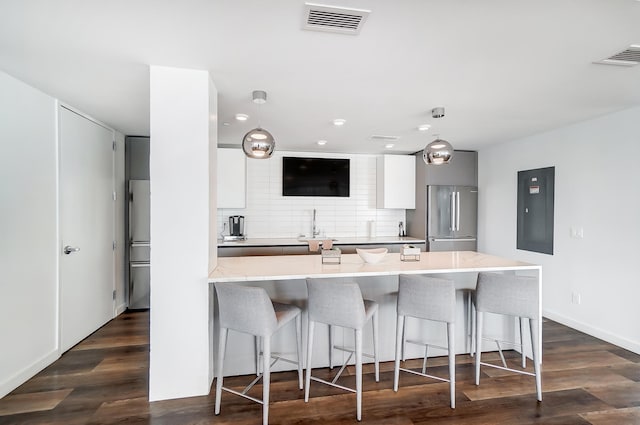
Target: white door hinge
(114, 245)
(114, 294)
(114, 196)
(114, 144)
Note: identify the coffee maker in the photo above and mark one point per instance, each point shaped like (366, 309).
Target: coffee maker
(236, 226)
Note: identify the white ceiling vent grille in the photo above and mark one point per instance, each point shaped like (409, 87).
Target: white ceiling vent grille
(343, 20)
(627, 57)
(381, 138)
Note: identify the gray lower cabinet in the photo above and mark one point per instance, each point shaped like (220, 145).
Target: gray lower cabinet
(300, 250)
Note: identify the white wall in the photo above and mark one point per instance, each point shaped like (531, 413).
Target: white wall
(29, 247)
(179, 172)
(271, 215)
(28, 220)
(597, 189)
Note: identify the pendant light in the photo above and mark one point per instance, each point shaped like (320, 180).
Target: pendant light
(439, 151)
(258, 143)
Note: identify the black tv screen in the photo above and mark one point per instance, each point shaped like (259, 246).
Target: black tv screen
(315, 176)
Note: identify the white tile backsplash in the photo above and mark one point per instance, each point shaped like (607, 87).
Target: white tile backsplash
(270, 215)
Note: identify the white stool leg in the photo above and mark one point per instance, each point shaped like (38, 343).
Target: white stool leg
(376, 362)
(266, 378)
(330, 347)
(478, 344)
(358, 337)
(258, 347)
(452, 362)
(404, 339)
(399, 345)
(299, 349)
(309, 351)
(524, 357)
(533, 328)
(222, 342)
(469, 328)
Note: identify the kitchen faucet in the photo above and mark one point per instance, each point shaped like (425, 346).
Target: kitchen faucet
(314, 231)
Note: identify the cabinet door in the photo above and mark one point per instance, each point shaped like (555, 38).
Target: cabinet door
(396, 182)
(461, 171)
(232, 178)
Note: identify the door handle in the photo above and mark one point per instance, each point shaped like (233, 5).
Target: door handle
(457, 211)
(69, 249)
(453, 211)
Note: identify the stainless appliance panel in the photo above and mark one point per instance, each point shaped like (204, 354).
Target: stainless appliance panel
(464, 244)
(139, 244)
(452, 218)
(466, 211)
(440, 210)
(139, 210)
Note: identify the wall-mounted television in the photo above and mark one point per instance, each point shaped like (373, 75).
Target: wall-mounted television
(315, 176)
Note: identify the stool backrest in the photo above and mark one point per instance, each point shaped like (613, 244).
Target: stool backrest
(246, 309)
(427, 297)
(508, 294)
(336, 302)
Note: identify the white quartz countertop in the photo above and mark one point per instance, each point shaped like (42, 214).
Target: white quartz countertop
(284, 267)
(336, 241)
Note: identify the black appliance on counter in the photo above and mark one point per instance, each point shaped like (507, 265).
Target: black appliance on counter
(236, 225)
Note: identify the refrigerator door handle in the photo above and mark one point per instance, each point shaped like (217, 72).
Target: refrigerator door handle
(452, 240)
(457, 211)
(453, 211)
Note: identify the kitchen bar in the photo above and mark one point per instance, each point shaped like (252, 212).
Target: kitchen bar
(284, 278)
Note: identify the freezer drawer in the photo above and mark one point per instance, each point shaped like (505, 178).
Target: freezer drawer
(139, 285)
(464, 244)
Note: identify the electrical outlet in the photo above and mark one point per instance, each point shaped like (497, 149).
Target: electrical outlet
(577, 232)
(575, 298)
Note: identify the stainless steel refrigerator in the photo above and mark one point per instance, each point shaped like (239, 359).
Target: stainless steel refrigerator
(452, 223)
(139, 244)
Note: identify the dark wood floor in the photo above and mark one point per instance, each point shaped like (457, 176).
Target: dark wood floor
(104, 380)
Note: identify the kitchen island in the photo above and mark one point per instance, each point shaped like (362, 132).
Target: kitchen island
(284, 278)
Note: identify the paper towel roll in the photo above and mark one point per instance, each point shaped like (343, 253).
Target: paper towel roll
(372, 228)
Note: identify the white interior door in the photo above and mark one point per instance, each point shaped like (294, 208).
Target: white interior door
(86, 227)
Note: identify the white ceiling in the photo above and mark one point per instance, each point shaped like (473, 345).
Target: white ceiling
(503, 69)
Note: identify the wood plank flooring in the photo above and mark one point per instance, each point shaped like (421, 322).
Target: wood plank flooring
(104, 380)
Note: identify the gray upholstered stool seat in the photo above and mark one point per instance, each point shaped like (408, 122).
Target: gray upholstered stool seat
(250, 310)
(509, 295)
(427, 298)
(471, 323)
(337, 302)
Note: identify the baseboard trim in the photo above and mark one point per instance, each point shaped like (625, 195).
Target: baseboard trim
(28, 372)
(625, 343)
(120, 309)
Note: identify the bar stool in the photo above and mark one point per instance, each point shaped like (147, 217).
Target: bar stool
(338, 303)
(427, 298)
(513, 296)
(471, 323)
(250, 310)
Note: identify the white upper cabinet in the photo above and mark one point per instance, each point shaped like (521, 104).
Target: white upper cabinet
(396, 182)
(232, 178)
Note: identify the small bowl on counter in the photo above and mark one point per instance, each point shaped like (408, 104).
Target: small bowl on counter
(372, 255)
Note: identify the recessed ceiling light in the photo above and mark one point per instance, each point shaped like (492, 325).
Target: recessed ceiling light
(242, 117)
(225, 123)
(339, 121)
(424, 127)
(321, 142)
(388, 145)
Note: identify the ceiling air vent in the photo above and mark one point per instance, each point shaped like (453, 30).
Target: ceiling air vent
(380, 138)
(343, 20)
(627, 57)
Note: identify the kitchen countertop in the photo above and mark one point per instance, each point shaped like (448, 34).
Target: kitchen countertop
(285, 267)
(336, 241)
